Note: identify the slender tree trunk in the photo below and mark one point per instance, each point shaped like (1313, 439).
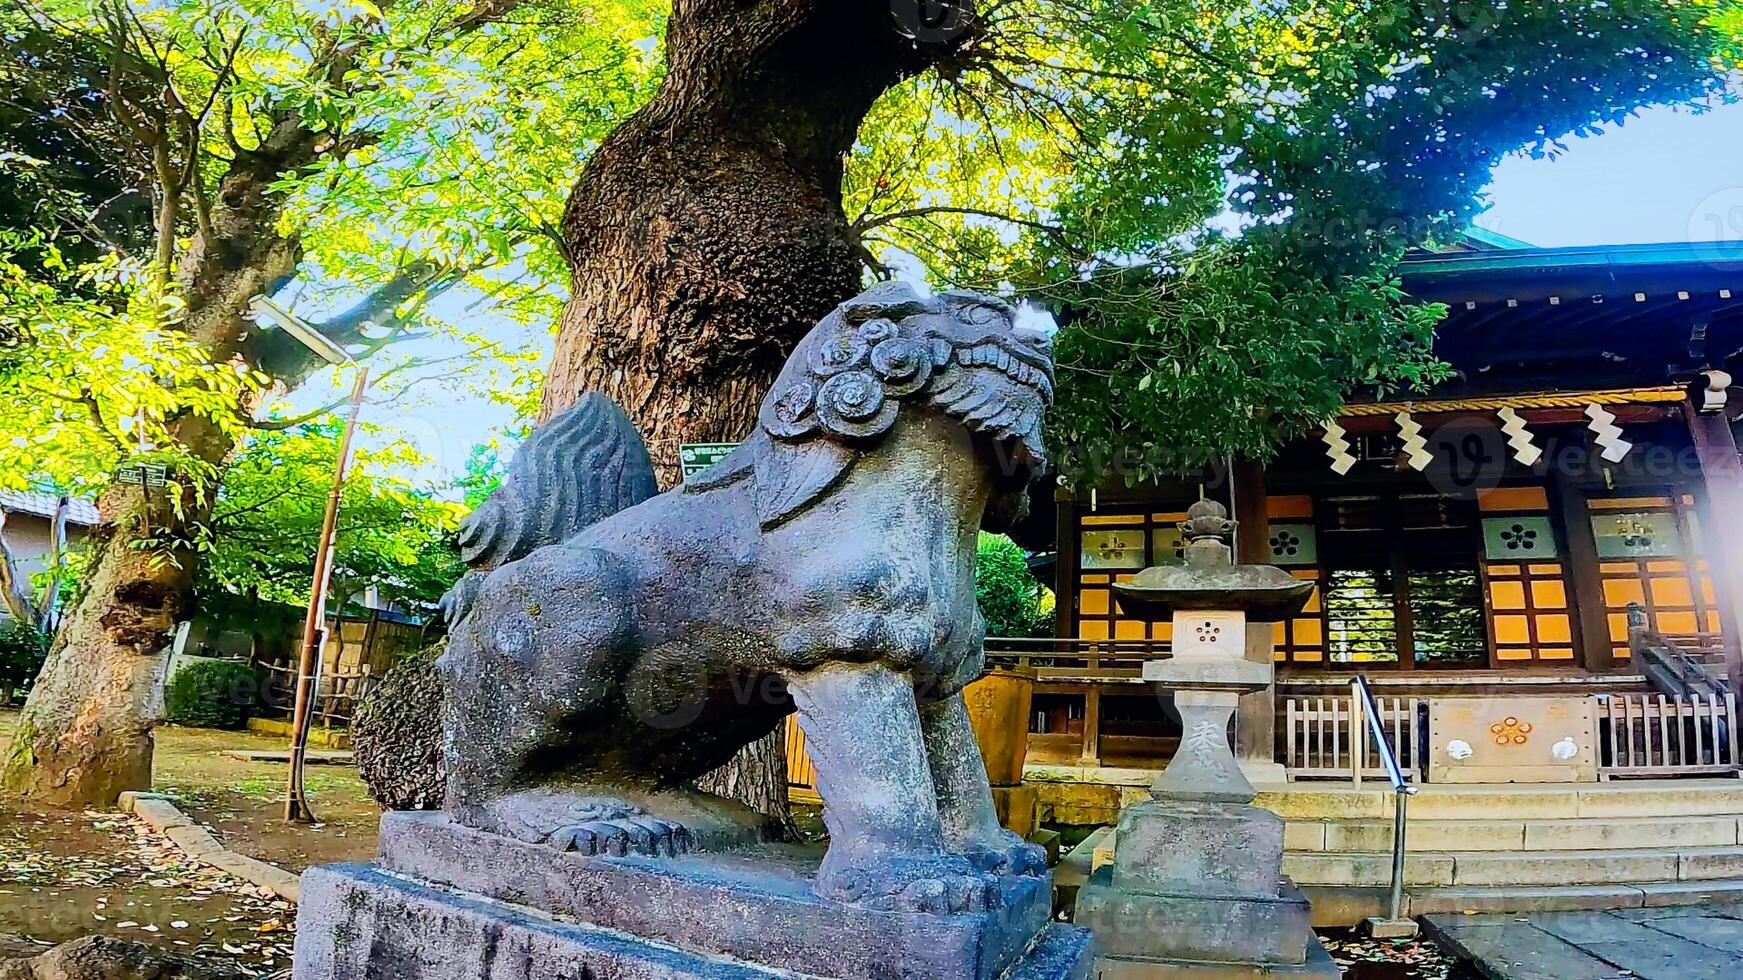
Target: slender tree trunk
(706, 235)
(85, 734)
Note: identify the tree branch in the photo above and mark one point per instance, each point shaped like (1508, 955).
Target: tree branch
(286, 359)
(378, 307)
(218, 520)
(1055, 231)
(485, 12)
(14, 589)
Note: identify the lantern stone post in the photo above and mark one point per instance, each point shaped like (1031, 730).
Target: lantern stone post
(1196, 887)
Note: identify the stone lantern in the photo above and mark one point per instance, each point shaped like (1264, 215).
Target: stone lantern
(1196, 888)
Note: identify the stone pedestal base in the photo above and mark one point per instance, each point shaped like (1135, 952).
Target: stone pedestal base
(1263, 773)
(1196, 890)
(1260, 933)
(445, 902)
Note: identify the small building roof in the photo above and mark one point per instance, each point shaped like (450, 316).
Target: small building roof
(1475, 239)
(79, 511)
(1596, 317)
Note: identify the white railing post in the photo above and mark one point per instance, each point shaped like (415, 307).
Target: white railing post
(1358, 739)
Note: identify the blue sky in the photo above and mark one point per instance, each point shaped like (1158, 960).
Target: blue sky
(1665, 176)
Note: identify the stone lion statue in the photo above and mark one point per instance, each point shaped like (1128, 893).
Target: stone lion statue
(610, 646)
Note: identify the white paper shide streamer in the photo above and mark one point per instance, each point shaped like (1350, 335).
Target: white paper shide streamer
(1415, 445)
(1607, 434)
(1519, 437)
(1337, 446)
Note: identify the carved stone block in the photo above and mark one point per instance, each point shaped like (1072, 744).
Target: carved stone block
(1194, 927)
(1211, 849)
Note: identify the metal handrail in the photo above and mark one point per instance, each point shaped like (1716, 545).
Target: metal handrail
(1389, 760)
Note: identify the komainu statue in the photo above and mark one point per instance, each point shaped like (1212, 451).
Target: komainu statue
(610, 645)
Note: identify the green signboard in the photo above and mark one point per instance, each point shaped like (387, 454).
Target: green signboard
(694, 457)
(153, 475)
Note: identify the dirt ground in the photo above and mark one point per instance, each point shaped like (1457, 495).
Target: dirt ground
(1392, 959)
(243, 802)
(69, 874)
(65, 875)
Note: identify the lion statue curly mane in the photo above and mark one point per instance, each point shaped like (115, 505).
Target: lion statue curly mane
(610, 645)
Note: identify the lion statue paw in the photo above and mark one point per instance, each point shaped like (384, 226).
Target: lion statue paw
(590, 825)
(1004, 853)
(929, 883)
(646, 836)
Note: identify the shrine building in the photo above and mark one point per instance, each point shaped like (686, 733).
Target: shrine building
(1490, 535)
(1529, 567)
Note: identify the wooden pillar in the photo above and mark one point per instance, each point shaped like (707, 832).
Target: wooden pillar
(1597, 653)
(1253, 533)
(1090, 755)
(1065, 564)
(1256, 714)
(1722, 472)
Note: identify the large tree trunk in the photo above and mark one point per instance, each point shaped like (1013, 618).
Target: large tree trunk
(706, 235)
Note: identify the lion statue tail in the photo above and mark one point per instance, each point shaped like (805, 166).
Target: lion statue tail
(581, 466)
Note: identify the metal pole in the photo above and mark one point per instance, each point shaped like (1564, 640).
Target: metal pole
(1402, 797)
(296, 806)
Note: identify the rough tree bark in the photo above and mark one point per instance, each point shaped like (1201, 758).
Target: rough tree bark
(706, 234)
(85, 734)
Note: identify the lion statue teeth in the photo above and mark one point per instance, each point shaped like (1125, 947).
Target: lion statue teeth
(609, 646)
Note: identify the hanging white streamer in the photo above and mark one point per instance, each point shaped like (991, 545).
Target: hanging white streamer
(1337, 446)
(1519, 437)
(1416, 452)
(1607, 434)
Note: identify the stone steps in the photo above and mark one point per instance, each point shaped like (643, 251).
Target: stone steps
(1655, 798)
(1505, 848)
(1570, 834)
(1499, 868)
(1569, 898)
(1336, 906)
(1515, 848)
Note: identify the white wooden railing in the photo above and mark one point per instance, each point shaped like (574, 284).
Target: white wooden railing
(1326, 738)
(1657, 735)
(1638, 735)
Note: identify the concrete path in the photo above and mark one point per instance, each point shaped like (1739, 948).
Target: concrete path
(1686, 942)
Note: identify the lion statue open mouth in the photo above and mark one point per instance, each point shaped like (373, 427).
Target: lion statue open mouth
(610, 646)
